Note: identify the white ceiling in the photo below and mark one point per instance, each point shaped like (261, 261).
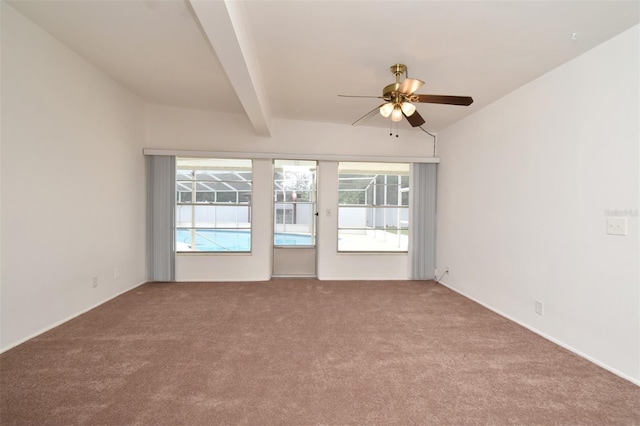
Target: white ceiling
(290, 59)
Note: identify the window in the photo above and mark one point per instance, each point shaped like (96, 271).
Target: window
(294, 197)
(213, 205)
(373, 207)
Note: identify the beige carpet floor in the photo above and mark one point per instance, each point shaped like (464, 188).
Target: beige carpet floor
(303, 352)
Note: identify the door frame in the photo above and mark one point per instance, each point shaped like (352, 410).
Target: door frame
(294, 261)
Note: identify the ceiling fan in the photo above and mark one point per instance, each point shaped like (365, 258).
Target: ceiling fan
(400, 98)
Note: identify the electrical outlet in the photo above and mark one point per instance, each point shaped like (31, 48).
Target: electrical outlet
(95, 281)
(116, 274)
(539, 308)
(447, 270)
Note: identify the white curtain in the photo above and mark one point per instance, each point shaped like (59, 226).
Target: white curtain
(161, 194)
(422, 241)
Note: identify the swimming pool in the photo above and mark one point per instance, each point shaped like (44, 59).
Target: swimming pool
(221, 240)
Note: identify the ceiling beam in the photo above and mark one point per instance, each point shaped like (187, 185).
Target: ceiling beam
(224, 24)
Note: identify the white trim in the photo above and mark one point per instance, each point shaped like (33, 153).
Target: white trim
(62, 321)
(280, 156)
(551, 339)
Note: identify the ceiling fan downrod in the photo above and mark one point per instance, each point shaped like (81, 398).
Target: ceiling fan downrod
(397, 70)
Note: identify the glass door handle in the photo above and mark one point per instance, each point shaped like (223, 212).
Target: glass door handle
(316, 214)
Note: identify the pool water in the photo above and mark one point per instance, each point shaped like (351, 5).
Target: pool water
(231, 240)
(282, 239)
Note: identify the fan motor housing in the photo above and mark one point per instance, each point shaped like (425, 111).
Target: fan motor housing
(389, 90)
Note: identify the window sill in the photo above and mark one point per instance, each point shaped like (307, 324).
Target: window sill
(213, 253)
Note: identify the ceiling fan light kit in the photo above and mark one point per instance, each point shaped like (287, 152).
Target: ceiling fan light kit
(386, 110)
(408, 109)
(399, 98)
(396, 115)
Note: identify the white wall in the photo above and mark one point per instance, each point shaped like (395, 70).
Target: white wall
(523, 190)
(183, 129)
(73, 183)
(180, 128)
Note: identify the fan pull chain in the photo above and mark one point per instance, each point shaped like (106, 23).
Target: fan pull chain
(391, 129)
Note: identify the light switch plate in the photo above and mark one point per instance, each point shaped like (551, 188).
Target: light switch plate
(617, 225)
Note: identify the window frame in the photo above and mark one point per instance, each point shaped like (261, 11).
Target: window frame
(300, 196)
(203, 181)
(374, 201)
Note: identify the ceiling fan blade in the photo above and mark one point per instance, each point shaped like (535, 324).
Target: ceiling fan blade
(357, 96)
(443, 99)
(414, 119)
(410, 85)
(367, 116)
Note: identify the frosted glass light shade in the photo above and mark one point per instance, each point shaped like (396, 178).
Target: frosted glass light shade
(408, 108)
(396, 115)
(386, 109)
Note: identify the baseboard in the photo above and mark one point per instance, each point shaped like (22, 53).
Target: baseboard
(57, 323)
(551, 339)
